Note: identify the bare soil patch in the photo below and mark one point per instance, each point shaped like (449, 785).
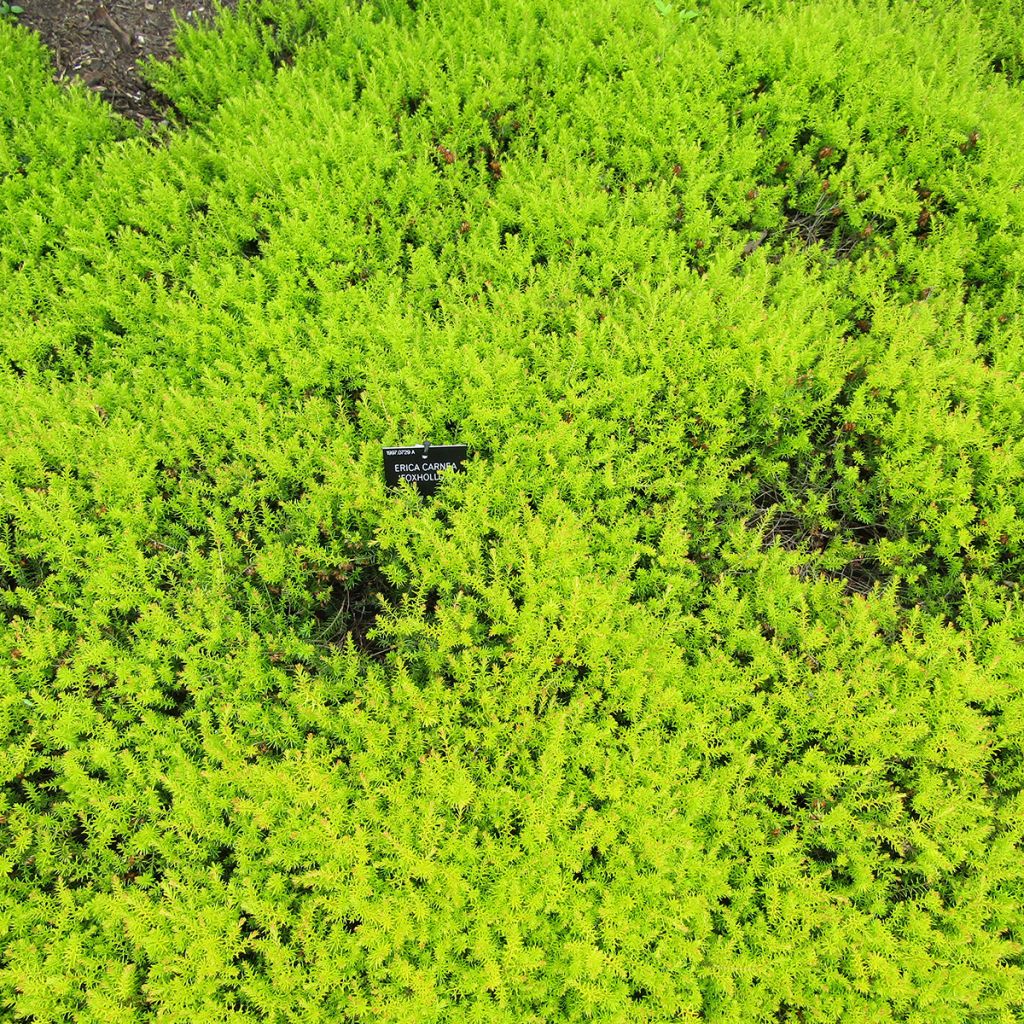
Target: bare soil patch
(102, 43)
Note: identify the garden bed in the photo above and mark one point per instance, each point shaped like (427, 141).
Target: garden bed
(697, 695)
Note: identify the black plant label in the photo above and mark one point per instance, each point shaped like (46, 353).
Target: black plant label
(423, 465)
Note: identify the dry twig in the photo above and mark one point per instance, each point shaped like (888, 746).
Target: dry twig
(101, 16)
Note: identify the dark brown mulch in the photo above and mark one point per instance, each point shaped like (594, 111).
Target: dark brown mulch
(100, 43)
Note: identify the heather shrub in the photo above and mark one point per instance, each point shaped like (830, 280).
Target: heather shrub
(696, 697)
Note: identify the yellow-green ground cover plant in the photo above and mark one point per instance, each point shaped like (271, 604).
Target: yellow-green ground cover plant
(696, 697)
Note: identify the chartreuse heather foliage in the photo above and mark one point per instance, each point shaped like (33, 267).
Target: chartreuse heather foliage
(697, 697)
